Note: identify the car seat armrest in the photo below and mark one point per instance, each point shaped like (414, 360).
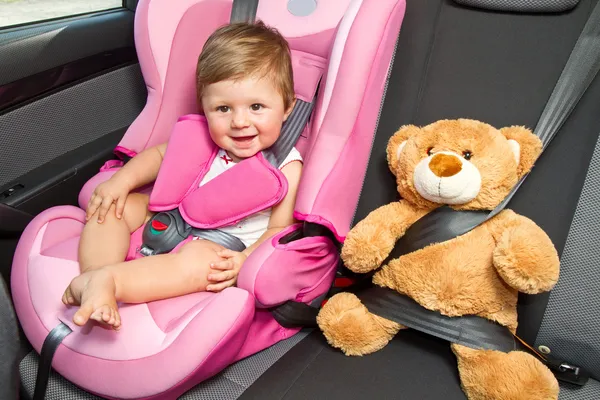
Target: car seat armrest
(280, 270)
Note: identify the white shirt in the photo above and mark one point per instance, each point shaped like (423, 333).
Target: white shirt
(251, 228)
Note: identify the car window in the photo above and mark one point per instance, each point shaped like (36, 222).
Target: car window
(17, 12)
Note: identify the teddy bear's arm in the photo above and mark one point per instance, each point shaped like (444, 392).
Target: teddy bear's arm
(525, 256)
(373, 238)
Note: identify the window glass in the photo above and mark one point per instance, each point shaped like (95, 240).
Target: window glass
(14, 12)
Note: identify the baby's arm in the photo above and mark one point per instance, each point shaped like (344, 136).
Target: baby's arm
(282, 216)
(139, 171)
(143, 168)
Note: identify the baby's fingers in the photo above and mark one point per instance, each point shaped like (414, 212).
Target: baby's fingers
(120, 206)
(217, 287)
(93, 205)
(222, 265)
(226, 253)
(106, 203)
(221, 276)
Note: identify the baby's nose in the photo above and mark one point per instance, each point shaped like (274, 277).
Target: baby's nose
(240, 120)
(445, 165)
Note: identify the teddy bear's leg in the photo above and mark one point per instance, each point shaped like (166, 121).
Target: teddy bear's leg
(491, 375)
(349, 326)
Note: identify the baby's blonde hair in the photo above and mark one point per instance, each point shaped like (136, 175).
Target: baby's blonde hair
(242, 50)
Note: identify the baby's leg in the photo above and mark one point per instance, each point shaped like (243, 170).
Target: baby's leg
(107, 243)
(141, 280)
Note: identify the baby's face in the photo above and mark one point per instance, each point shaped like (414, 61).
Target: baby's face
(244, 116)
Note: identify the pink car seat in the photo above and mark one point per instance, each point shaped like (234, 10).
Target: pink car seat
(166, 347)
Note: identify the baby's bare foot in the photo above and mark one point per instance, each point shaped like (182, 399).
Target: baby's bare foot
(94, 291)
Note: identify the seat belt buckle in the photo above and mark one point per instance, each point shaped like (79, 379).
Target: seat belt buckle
(568, 372)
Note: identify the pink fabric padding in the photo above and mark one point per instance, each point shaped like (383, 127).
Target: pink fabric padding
(318, 44)
(137, 134)
(326, 16)
(168, 313)
(163, 18)
(190, 152)
(111, 165)
(196, 354)
(59, 230)
(264, 332)
(30, 321)
(335, 58)
(134, 243)
(321, 221)
(68, 249)
(249, 187)
(179, 97)
(308, 70)
(120, 150)
(275, 273)
(357, 96)
(253, 183)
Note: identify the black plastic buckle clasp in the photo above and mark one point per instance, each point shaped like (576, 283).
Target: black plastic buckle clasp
(569, 373)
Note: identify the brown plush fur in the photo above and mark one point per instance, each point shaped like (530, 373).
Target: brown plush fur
(478, 273)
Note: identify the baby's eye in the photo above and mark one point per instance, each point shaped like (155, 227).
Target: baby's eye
(256, 107)
(223, 109)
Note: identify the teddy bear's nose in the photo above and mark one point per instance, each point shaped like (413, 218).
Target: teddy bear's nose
(445, 165)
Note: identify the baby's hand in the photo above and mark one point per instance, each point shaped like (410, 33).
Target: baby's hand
(104, 196)
(228, 270)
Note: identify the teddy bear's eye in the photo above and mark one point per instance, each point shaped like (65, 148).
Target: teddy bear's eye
(467, 154)
(430, 151)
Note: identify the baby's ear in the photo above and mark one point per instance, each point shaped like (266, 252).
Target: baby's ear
(525, 145)
(397, 143)
(289, 110)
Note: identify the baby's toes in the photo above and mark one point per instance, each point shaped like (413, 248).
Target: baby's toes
(68, 298)
(117, 324)
(101, 314)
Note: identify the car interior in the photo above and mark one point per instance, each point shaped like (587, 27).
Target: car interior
(71, 89)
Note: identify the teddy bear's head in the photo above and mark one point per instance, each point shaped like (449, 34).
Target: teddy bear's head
(466, 164)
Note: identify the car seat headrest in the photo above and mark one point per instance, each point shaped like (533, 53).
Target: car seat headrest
(532, 6)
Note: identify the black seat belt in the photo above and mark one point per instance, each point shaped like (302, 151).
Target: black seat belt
(242, 10)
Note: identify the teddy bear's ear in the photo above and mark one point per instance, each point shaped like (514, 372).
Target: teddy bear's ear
(397, 142)
(525, 145)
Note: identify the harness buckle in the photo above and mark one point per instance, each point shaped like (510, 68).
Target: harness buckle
(163, 232)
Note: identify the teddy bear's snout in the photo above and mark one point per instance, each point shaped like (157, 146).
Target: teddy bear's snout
(445, 165)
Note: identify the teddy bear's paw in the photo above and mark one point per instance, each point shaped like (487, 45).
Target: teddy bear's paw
(490, 374)
(350, 327)
(526, 259)
(365, 248)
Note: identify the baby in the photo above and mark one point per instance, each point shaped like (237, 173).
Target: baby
(246, 91)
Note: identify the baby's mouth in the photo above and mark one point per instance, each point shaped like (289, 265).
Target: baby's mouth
(243, 139)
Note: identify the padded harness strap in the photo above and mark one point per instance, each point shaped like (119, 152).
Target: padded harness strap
(469, 330)
(51, 343)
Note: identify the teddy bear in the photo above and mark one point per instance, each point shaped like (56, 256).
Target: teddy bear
(465, 165)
